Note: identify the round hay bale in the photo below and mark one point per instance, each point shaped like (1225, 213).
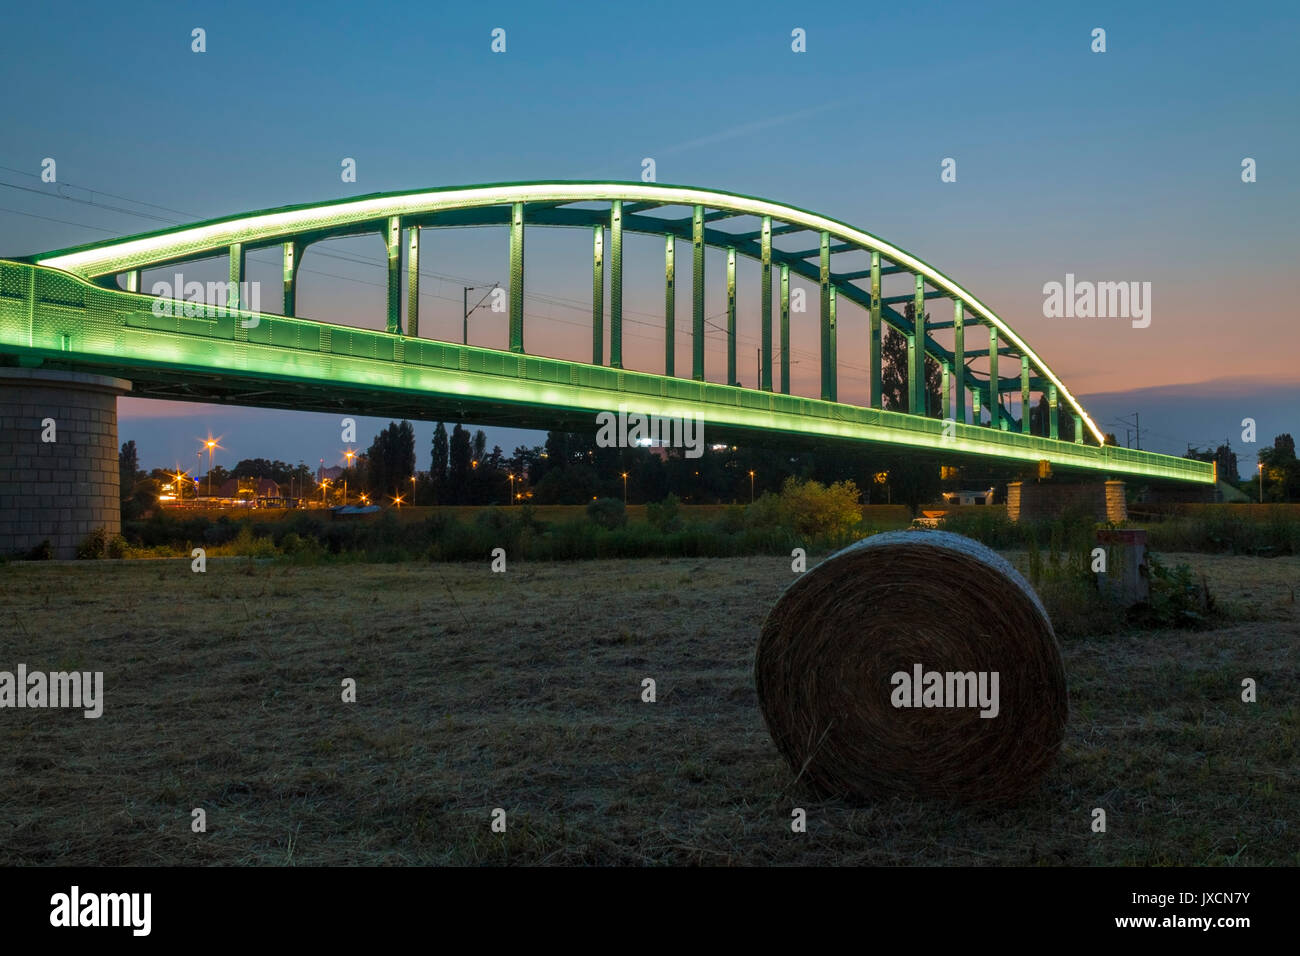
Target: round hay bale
(833, 648)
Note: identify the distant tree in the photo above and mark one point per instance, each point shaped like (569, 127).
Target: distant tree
(1281, 470)
(894, 373)
(391, 461)
(1224, 458)
(479, 445)
(459, 458)
(1040, 421)
(128, 467)
(438, 466)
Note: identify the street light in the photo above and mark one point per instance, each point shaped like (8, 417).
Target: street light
(349, 455)
(467, 310)
(1261, 482)
(323, 484)
(211, 443)
(512, 488)
(751, 486)
(625, 489)
(413, 489)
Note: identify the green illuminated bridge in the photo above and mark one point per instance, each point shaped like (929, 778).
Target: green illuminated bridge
(85, 309)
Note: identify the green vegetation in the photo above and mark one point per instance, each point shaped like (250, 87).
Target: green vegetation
(805, 514)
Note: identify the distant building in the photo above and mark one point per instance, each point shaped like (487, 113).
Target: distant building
(969, 497)
(333, 473)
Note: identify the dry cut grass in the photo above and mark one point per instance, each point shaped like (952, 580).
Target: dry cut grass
(522, 691)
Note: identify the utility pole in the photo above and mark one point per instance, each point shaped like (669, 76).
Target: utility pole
(466, 310)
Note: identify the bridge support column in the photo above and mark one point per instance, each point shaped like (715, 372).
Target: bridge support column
(959, 358)
(58, 490)
(765, 307)
(517, 277)
(1054, 412)
(291, 255)
(616, 284)
(873, 341)
(825, 283)
(1025, 400)
(598, 295)
(785, 328)
(975, 406)
(1078, 430)
(670, 304)
(995, 383)
(916, 351)
(1045, 500)
(731, 316)
(413, 283)
(697, 294)
(393, 244)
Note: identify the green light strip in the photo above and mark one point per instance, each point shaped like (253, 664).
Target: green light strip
(110, 327)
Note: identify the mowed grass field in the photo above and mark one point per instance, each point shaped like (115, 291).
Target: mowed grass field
(522, 691)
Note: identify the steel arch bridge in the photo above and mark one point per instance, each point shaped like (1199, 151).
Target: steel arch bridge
(84, 308)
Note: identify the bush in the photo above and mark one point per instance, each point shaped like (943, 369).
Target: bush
(117, 546)
(93, 545)
(815, 509)
(42, 552)
(1177, 598)
(732, 520)
(607, 513)
(664, 516)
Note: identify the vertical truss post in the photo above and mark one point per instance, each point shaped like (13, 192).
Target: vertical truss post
(670, 304)
(697, 294)
(1025, 400)
(291, 254)
(765, 307)
(785, 328)
(873, 343)
(413, 282)
(598, 295)
(133, 280)
(825, 282)
(911, 374)
(834, 365)
(1078, 430)
(517, 277)
(945, 393)
(959, 358)
(916, 366)
(995, 383)
(393, 243)
(731, 316)
(975, 405)
(1055, 432)
(616, 284)
(237, 264)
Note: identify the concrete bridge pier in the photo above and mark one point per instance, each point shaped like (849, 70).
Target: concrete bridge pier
(1043, 500)
(58, 458)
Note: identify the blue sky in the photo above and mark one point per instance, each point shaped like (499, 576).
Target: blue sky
(1123, 165)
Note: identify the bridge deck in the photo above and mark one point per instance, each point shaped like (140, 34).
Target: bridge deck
(52, 317)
